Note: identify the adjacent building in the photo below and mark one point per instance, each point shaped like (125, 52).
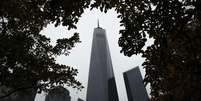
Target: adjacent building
(134, 85)
(58, 94)
(79, 99)
(101, 80)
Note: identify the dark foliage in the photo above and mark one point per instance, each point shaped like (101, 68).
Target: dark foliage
(173, 62)
(26, 57)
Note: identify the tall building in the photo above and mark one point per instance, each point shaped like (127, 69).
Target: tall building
(134, 85)
(58, 93)
(101, 81)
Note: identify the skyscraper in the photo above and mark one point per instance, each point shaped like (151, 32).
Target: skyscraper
(101, 81)
(134, 85)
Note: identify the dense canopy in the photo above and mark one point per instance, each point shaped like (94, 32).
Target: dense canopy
(173, 61)
(27, 59)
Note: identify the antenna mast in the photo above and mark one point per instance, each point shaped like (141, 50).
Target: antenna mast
(98, 24)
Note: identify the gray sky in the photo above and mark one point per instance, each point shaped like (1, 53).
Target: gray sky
(80, 54)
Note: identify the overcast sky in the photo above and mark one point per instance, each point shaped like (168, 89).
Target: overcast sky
(80, 54)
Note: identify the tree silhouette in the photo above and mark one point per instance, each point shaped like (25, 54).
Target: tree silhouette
(173, 62)
(27, 60)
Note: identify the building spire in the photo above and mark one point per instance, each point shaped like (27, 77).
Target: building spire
(98, 24)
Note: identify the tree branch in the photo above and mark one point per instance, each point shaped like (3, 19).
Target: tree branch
(18, 89)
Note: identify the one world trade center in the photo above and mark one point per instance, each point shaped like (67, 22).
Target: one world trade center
(101, 80)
